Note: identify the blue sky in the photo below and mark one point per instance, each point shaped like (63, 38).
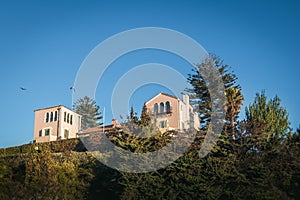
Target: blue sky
(43, 43)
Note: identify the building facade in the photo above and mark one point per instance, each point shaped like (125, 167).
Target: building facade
(55, 123)
(172, 113)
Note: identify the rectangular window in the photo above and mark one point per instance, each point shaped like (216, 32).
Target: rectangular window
(162, 124)
(71, 119)
(65, 116)
(66, 133)
(47, 132)
(51, 117)
(40, 133)
(47, 117)
(55, 116)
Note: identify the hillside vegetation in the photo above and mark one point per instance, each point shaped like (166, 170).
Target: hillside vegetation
(56, 170)
(228, 172)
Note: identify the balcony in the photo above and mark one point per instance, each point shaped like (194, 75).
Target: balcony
(159, 114)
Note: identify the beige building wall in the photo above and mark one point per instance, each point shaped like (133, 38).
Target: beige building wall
(180, 117)
(56, 123)
(171, 118)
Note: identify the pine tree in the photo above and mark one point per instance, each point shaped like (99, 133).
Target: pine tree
(200, 96)
(133, 116)
(266, 121)
(89, 111)
(145, 117)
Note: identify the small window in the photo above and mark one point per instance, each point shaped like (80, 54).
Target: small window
(71, 119)
(161, 107)
(55, 116)
(40, 133)
(66, 133)
(168, 107)
(51, 117)
(47, 117)
(65, 116)
(68, 117)
(47, 132)
(155, 108)
(163, 124)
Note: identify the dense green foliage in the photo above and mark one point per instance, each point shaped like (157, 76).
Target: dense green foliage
(49, 174)
(236, 168)
(223, 174)
(52, 147)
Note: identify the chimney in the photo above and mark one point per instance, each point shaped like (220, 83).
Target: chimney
(115, 123)
(186, 99)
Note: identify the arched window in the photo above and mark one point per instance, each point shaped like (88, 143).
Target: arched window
(168, 107)
(161, 107)
(68, 118)
(51, 116)
(47, 117)
(155, 108)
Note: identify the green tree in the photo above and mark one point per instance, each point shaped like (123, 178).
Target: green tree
(89, 111)
(234, 102)
(266, 121)
(133, 116)
(145, 117)
(199, 93)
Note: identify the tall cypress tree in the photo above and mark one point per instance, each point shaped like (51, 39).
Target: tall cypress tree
(89, 111)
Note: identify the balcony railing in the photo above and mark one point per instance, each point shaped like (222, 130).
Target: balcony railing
(158, 113)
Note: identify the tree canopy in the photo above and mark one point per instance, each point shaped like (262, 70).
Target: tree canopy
(200, 96)
(89, 111)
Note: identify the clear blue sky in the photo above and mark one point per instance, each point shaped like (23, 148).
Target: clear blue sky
(43, 43)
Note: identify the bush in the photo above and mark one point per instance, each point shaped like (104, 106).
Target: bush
(53, 147)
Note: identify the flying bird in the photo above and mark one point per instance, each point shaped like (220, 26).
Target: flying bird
(22, 88)
(72, 88)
